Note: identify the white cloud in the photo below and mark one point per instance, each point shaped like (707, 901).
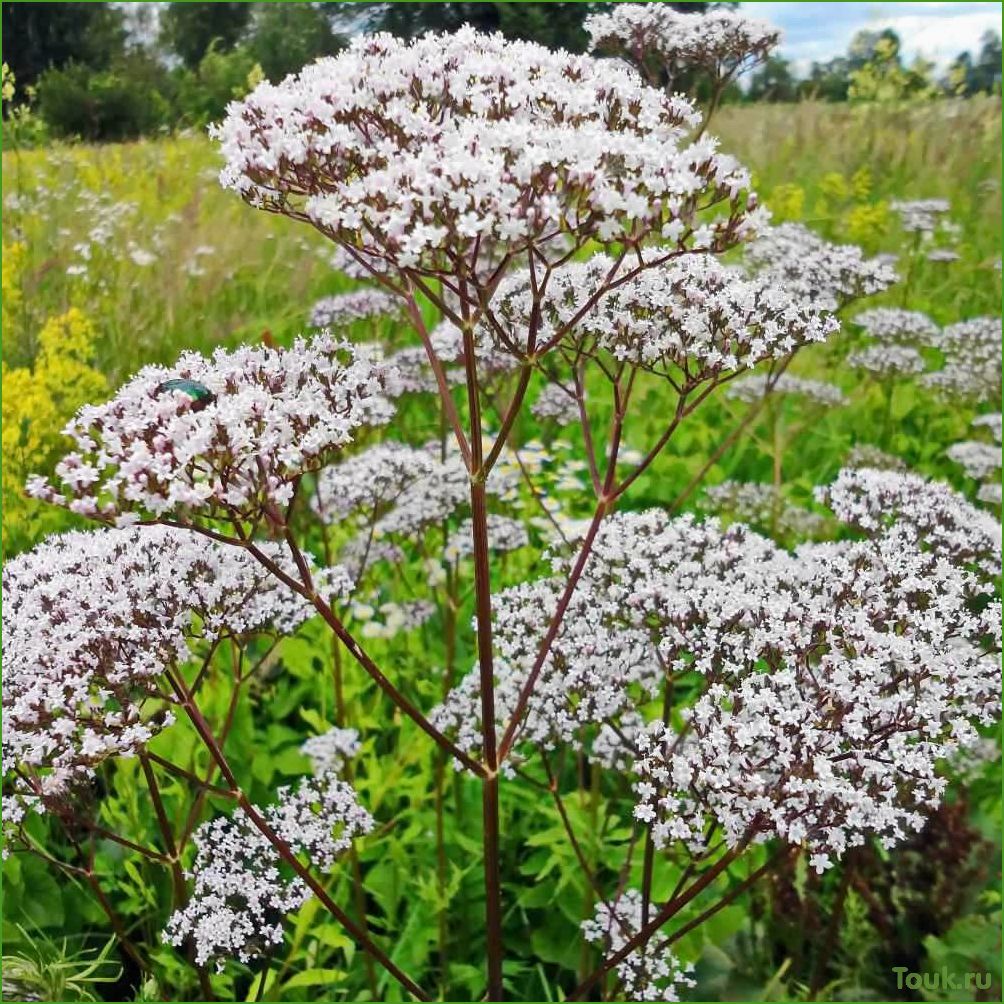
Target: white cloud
(820, 31)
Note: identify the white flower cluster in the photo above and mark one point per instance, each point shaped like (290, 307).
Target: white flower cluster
(935, 517)
(825, 276)
(605, 659)
(242, 892)
(360, 305)
(980, 460)
(331, 751)
(991, 421)
(690, 311)
(867, 455)
(390, 619)
(414, 374)
(890, 324)
(556, 403)
(90, 623)
(764, 506)
(838, 676)
(398, 492)
(756, 386)
(887, 362)
(646, 974)
(972, 367)
(921, 215)
(723, 42)
(943, 255)
(416, 152)
(223, 436)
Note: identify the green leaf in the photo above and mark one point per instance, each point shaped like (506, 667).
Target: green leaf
(314, 978)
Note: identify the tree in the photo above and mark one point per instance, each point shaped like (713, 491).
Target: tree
(882, 76)
(189, 29)
(287, 36)
(773, 81)
(987, 71)
(828, 81)
(40, 36)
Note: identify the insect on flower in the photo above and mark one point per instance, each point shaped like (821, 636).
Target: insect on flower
(200, 394)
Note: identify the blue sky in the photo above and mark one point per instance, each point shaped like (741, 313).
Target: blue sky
(819, 31)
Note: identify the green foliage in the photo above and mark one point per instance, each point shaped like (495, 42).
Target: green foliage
(221, 77)
(882, 77)
(287, 36)
(45, 969)
(41, 36)
(190, 30)
(121, 102)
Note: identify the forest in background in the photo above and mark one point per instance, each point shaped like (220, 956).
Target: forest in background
(108, 72)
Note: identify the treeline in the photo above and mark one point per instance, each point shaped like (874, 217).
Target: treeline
(873, 70)
(103, 71)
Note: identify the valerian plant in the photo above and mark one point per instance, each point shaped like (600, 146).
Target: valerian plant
(566, 222)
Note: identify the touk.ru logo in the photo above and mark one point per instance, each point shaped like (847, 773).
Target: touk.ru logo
(941, 980)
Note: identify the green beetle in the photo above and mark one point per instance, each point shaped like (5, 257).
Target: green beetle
(200, 394)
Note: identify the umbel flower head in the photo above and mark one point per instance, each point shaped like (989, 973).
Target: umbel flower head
(887, 362)
(691, 313)
(360, 305)
(755, 387)
(890, 324)
(648, 973)
(934, 515)
(832, 679)
(400, 490)
(91, 621)
(227, 436)
(972, 367)
(605, 659)
(724, 43)
(824, 276)
(242, 893)
(422, 154)
(837, 678)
